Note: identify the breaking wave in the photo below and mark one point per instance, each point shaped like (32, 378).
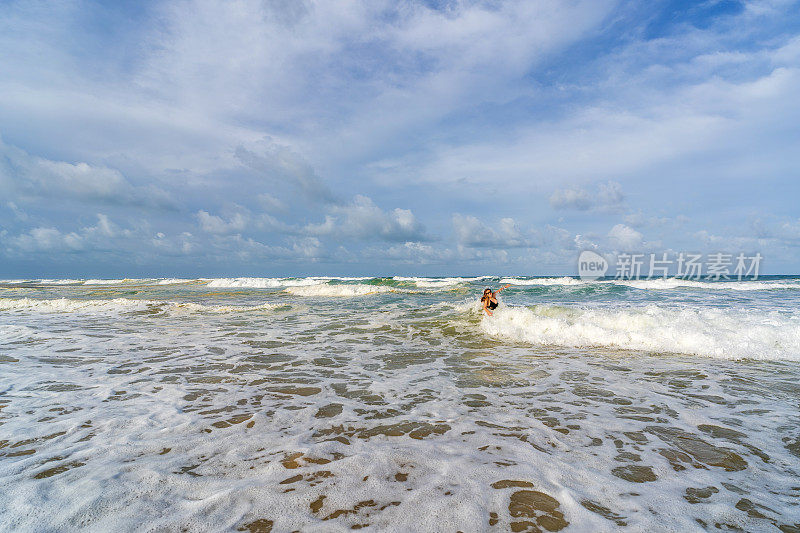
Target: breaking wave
(272, 283)
(68, 305)
(720, 333)
(544, 281)
(659, 283)
(434, 283)
(326, 290)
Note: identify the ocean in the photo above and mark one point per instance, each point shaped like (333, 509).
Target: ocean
(393, 404)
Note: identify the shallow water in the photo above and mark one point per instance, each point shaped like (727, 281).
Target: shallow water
(323, 404)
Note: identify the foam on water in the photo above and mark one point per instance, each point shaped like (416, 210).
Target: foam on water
(321, 291)
(437, 282)
(174, 281)
(11, 333)
(729, 334)
(543, 281)
(659, 283)
(126, 305)
(62, 305)
(194, 409)
(112, 281)
(264, 283)
(673, 283)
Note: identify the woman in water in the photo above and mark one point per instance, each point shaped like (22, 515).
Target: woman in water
(489, 299)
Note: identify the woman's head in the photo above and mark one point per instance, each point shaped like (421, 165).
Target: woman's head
(487, 293)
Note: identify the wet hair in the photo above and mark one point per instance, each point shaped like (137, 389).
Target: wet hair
(483, 296)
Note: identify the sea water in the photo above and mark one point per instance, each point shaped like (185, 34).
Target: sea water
(393, 404)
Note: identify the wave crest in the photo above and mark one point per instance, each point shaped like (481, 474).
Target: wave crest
(67, 305)
(658, 283)
(338, 290)
(720, 333)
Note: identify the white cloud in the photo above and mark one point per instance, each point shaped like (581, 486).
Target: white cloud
(609, 197)
(51, 240)
(215, 224)
(472, 232)
(292, 107)
(47, 240)
(362, 219)
(180, 245)
(625, 238)
(653, 122)
(25, 175)
(579, 199)
(104, 226)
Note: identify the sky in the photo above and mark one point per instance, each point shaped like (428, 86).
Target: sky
(378, 137)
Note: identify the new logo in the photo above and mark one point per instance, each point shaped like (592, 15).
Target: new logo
(591, 265)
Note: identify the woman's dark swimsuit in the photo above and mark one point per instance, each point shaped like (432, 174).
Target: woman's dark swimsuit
(492, 305)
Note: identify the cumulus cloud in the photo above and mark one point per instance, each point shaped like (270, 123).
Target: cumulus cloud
(362, 219)
(29, 176)
(579, 199)
(472, 232)
(215, 224)
(52, 240)
(47, 240)
(608, 197)
(180, 245)
(625, 238)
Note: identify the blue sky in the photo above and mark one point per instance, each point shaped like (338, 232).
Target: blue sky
(283, 137)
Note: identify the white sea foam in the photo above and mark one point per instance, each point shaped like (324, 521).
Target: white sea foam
(674, 283)
(721, 333)
(190, 307)
(661, 283)
(265, 283)
(394, 415)
(544, 281)
(433, 283)
(13, 333)
(178, 281)
(112, 281)
(337, 290)
(67, 305)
